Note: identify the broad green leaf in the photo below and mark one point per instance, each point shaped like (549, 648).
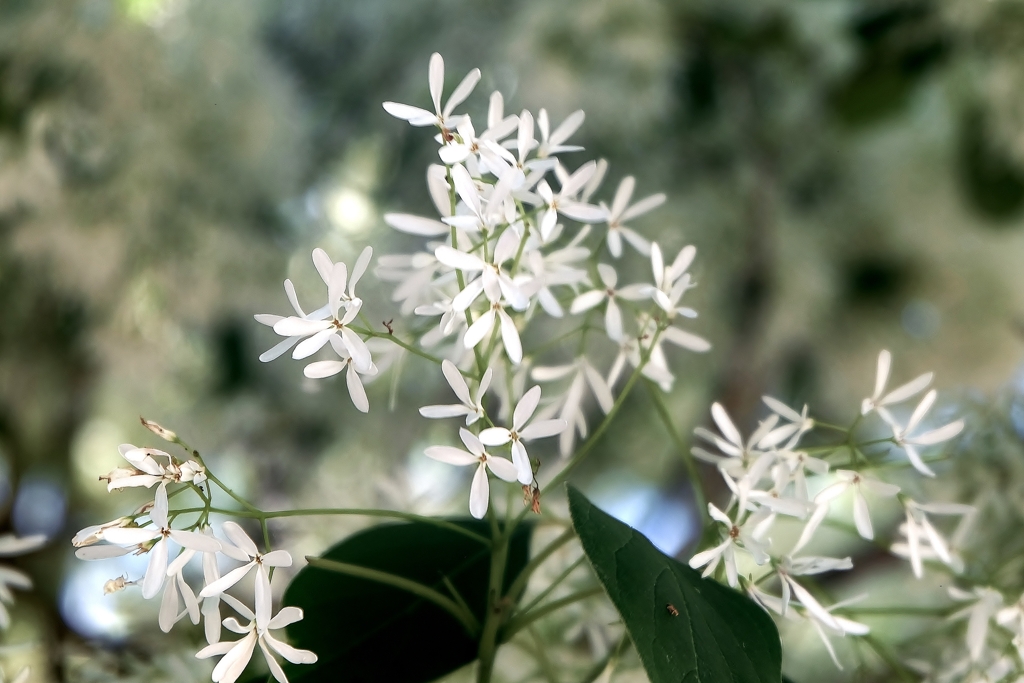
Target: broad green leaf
(719, 635)
(367, 632)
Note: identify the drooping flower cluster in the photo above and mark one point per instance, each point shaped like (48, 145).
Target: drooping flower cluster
(768, 474)
(151, 531)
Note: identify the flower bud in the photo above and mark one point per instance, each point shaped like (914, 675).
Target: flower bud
(116, 585)
(162, 432)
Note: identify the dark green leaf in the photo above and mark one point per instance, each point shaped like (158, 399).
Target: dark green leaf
(363, 631)
(718, 636)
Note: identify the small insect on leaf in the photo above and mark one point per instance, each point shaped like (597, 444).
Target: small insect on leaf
(672, 609)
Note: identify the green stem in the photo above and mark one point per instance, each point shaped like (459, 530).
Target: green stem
(496, 608)
(523, 620)
(315, 512)
(427, 593)
(699, 499)
(554, 584)
(392, 338)
(542, 657)
(524, 576)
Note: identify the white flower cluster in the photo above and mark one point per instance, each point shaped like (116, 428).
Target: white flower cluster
(170, 550)
(510, 243)
(768, 477)
(328, 324)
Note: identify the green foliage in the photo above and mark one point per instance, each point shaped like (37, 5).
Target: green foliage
(364, 631)
(717, 635)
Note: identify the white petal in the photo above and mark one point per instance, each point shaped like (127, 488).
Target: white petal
(435, 77)
(525, 408)
(263, 598)
(915, 460)
(510, 338)
(101, 552)
(861, 516)
(287, 616)
(462, 91)
(293, 655)
(495, 436)
(587, 300)
(158, 514)
(234, 662)
(130, 535)
(907, 390)
(456, 381)
(356, 391)
(542, 429)
(416, 225)
(275, 667)
(643, 206)
(459, 260)
(521, 460)
(450, 455)
(195, 541)
(480, 328)
(168, 608)
(939, 435)
(308, 347)
(323, 368)
(725, 424)
(502, 468)
(277, 558)
(479, 493)
(439, 412)
(156, 572)
(227, 581)
(686, 340)
(414, 115)
(300, 327)
(240, 539)
(361, 357)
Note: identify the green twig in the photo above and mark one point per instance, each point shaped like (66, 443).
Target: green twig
(523, 620)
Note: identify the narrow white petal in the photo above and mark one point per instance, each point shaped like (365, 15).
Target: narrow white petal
(907, 390)
(323, 368)
(495, 436)
(168, 613)
(542, 429)
(525, 408)
(240, 539)
(450, 455)
(227, 581)
(721, 418)
(435, 78)
(510, 338)
(292, 654)
(686, 340)
(361, 357)
(502, 468)
(479, 493)
(462, 91)
(416, 225)
(915, 460)
(939, 435)
(643, 206)
(480, 328)
(587, 300)
(156, 572)
(521, 460)
(456, 381)
(308, 347)
(356, 391)
(861, 516)
(158, 514)
(613, 320)
(195, 541)
(287, 616)
(460, 260)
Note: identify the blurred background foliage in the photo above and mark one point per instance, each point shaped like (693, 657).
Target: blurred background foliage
(851, 171)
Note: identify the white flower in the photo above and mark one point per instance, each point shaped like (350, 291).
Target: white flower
(270, 320)
(923, 540)
(901, 435)
(168, 615)
(551, 142)
(985, 605)
(520, 432)
(620, 212)
(552, 269)
(154, 539)
(656, 368)
(472, 409)
(861, 516)
(799, 425)
(672, 282)
(565, 203)
(468, 147)
(484, 325)
(439, 117)
(570, 406)
(736, 536)
(1012, 618)
(248, 551)
(740, 455)
(789, 567)
(493, 281)
(319, 332)
(414, 274)
(879, 400)
(608, 294)
(329, 368)
(238, 653)
(146, 471)
(479, 493)
(498, 210)
(10, 546)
